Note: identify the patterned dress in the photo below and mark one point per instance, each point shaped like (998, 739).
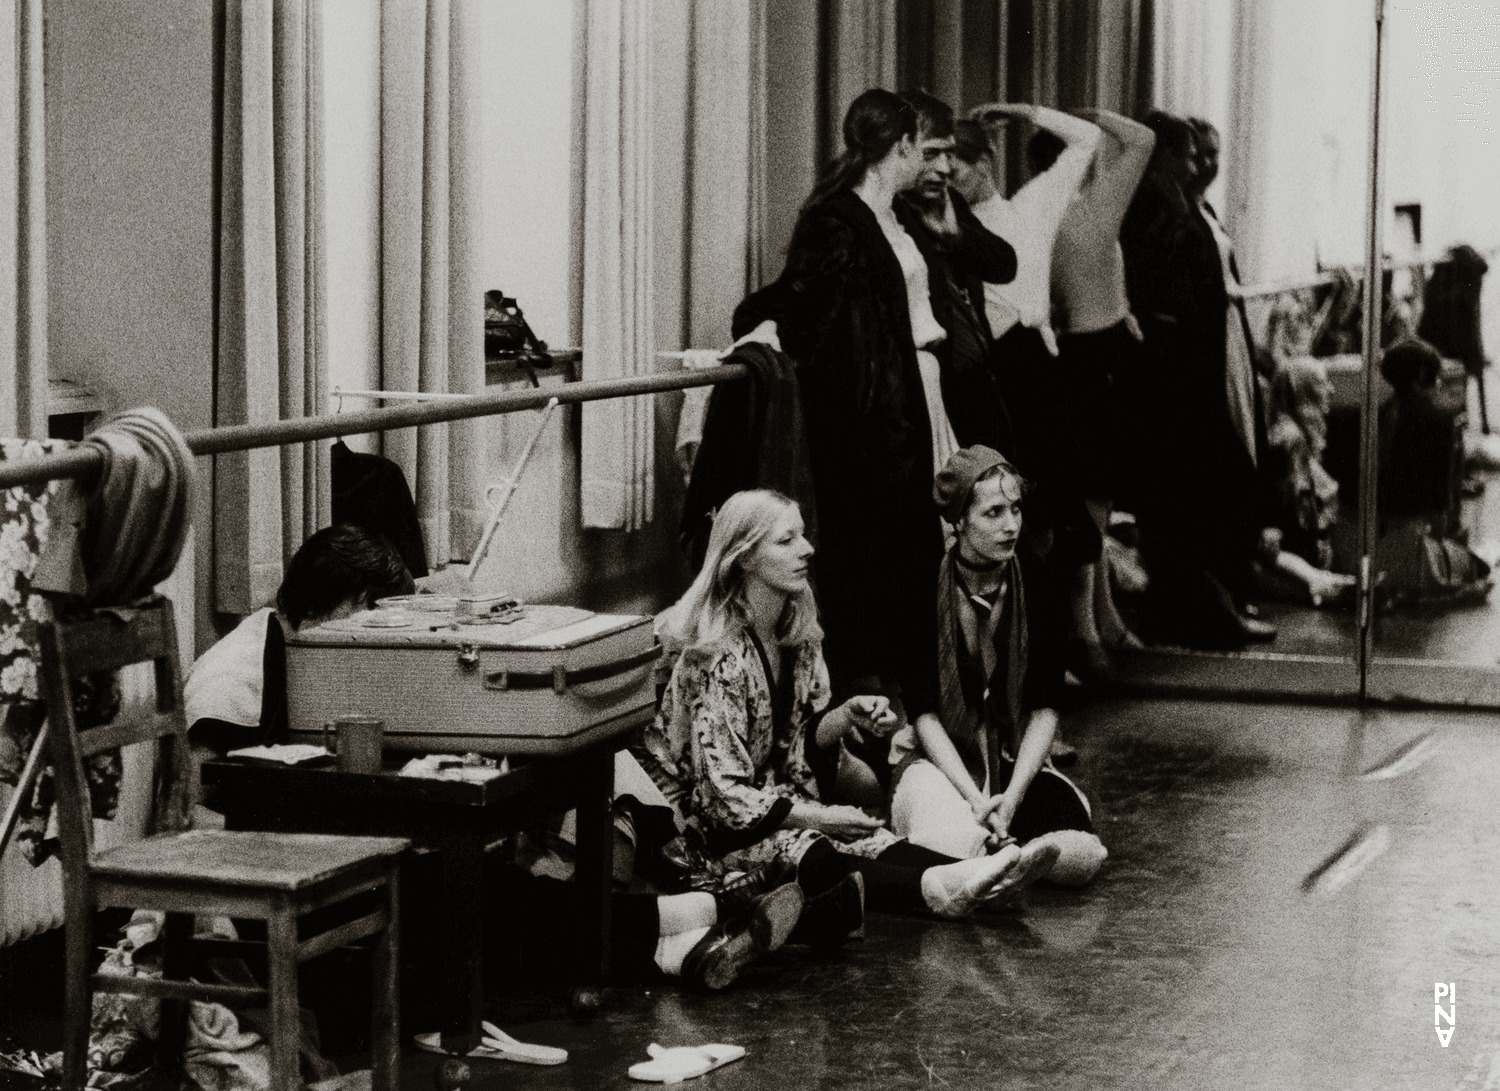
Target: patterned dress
(25, 524)
(731, 767)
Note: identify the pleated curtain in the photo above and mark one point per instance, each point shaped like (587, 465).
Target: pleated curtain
(432, 303)
(272, 331)
(1211, 62)
(1250, 146)
(676, 124)
(1193, 57)
(617, 478)
(1058, 53)
(726, 173)
(272, 359)
(862, 53)
(23, 225)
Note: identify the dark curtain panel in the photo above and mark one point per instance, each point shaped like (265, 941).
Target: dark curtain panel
(822, 53)
(1059, 53)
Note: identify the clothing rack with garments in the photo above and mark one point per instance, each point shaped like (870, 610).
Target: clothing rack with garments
(1328, 276)
(83, 463)
(1322, 279)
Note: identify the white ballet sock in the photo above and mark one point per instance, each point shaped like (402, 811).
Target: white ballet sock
(1080, 856)
(954, 890)
(684, 912)
(671, 950)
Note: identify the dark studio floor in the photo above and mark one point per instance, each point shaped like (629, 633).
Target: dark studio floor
(1193, 961)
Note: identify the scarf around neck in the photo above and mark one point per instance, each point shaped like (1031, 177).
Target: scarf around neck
(999, 717)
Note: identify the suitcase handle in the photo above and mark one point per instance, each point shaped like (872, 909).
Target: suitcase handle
(559, 679)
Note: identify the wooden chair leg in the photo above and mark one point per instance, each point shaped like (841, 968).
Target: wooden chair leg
(79, 937)
(595, 865)
(176, 965)
(385, 1037)
(286, 1028)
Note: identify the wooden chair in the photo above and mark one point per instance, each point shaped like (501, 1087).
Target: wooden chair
(272, 877)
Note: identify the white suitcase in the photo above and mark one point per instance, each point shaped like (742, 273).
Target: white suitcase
(535, 686)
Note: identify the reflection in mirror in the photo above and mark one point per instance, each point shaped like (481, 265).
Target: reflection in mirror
(1438, 496)
(1437, 525)
(1296, 294)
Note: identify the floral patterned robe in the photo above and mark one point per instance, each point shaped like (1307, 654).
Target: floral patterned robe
(729, 768)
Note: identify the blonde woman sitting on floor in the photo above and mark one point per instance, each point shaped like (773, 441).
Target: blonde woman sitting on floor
(977, 777)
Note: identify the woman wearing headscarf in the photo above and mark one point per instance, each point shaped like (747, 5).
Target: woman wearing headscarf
(977, 774)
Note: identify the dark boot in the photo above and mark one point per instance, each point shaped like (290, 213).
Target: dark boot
(731, 945)
(732, 901)
(829, 919)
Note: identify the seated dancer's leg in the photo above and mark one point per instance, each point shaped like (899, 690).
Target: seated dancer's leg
(719, 954)
(928, 811)
(679, 935)
(683, 920)
(1054, 812)
(1080, 855)
(547, 912)
(908, 878)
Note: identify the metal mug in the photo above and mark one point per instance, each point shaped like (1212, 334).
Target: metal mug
(360, 742)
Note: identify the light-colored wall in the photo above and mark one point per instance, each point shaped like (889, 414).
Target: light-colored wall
(130, 222)
(533, 58)
(1288, 83)
(527, 60)
(1445, 122)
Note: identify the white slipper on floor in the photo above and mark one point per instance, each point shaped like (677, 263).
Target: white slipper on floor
(502, 1048)
(683, 1062)
(497, 1039)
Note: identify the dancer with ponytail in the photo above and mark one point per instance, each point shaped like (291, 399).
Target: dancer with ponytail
(854, 308)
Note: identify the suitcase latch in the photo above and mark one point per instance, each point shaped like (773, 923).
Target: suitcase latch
(468, 657)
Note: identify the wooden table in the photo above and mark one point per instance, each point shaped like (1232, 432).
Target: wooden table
(458, 819)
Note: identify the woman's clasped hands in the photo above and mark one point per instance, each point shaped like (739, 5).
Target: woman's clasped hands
(869, 712)
(995, 814)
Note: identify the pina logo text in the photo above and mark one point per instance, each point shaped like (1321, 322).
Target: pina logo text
(1440, 1015)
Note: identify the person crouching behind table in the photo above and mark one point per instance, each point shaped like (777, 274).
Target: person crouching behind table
(977, 775)
(235, 695)
(746, 742)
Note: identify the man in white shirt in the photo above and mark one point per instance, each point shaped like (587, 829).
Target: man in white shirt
(1019, 313)
(1029, 219)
